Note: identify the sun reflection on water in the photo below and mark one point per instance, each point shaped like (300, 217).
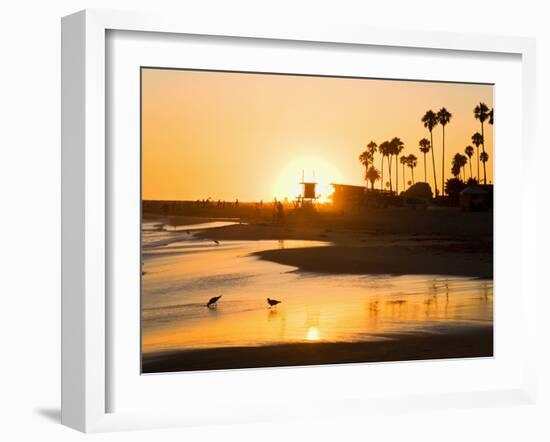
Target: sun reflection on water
(315, 307)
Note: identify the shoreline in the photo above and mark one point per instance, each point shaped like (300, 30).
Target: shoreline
(380, 260)
(467, 342)
(365, 252)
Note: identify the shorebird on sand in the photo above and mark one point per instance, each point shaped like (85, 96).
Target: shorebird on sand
(272, 302)
(212, 302)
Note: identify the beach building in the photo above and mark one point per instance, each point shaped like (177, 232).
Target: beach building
(473, 199)
(347, 197)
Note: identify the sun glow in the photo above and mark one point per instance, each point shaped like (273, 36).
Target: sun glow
(315, 169)
(313, 334)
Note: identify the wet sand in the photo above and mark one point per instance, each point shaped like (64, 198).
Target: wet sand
(466, 342)
(459, 246)
(389, 260)
(365, 252)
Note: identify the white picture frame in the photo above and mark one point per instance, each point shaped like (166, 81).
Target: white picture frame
(85, 310)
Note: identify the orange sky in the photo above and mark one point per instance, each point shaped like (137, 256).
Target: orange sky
(248, 136)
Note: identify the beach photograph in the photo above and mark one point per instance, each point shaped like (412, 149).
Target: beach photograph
(297, 220)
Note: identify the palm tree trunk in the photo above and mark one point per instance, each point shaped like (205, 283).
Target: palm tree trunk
(433, 162)
(389, 170)
(396, 175)
(470, 163)
(382, 169)
(425, 177)
(412, 174)
(403, 175)
(483, 146)
(477, 161)
(443, 164)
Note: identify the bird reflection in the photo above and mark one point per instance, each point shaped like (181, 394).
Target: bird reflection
(272, 314)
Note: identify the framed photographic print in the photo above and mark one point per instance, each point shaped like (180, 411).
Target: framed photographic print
(271, 235)
(250, 212)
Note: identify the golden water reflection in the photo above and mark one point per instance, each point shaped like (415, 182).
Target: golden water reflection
(180, 278)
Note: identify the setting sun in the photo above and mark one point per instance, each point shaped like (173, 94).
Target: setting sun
(294, 219)
(315, 169)
(213, 134)
(313, 334)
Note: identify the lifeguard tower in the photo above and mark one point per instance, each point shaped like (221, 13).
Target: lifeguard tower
(309, 194)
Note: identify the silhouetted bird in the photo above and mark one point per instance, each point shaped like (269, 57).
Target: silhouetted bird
(213, 301)
(272, 302)
(216, 241)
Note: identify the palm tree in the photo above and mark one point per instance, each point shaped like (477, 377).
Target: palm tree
(430, 121)
(411, 162)
(366, 159)
(481, 113)
(477, 140)
(425, 146)
(462, 162)
(455, 169)
(384, 150)
(491, 116)
(484, 157)
(397, 148)
(458, 163)
(469, 151)
(387, 149)
(403, 161)
(372, 175)
(444, 118)
(371, 148)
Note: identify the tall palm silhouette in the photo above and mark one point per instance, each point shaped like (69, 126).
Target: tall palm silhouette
(469, 151)
(444, 118)
(462, 161)
(411, 162)
(367, 156)
(430, 121)
(484, 157)
(372, 175)
(455, 169)
(365, 159)
(491, 116)
(481, 113)
(384, 150)
(424, 144)
(457, 166)
(397, 148)
(403, 161)
(371, 148)
(477, 140)
(390, 152)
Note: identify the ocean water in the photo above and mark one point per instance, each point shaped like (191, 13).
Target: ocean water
(182, 272)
